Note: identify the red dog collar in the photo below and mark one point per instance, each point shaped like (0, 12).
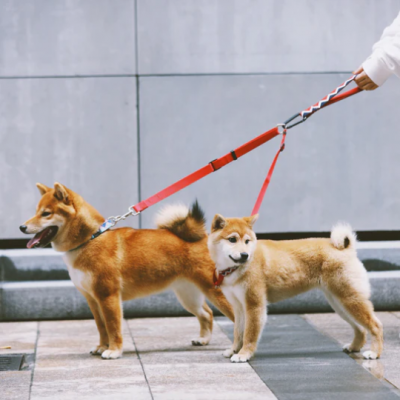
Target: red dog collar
(219, 276)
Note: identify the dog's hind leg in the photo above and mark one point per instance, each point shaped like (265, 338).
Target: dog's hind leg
(101, 327)
(193, 300)
(359, 332)
(361, 310)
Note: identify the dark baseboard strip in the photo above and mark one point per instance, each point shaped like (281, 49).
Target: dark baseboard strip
(10, 244)
(363, 236)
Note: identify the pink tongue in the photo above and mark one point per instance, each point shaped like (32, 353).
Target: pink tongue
(37, 238)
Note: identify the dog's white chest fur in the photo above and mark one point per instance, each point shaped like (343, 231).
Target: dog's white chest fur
(81, 280)
(234, 293)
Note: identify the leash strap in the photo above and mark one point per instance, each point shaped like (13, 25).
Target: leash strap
(215, 165)
(264, 188)
(212, 166)
(218, 163)
(332, 97)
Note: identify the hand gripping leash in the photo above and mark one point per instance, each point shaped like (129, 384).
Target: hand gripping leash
(218, 163)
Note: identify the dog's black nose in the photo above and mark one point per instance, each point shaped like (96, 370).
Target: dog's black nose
(244, 256)
(23, 228)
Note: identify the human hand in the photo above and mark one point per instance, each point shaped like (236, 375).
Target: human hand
(363, 81)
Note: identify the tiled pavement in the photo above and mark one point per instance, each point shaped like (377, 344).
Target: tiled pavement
(299, 357)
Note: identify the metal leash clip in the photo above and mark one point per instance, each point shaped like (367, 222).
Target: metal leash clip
(117, 218)
(112, 221)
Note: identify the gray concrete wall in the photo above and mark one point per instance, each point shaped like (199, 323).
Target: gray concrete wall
(206, 76)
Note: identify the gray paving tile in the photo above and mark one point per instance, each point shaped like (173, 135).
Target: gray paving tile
(15, 385)
(298, 362)
(177, 370)
(67, 37)
(205, 381)
(65, 369)
(68, 338)
(21, 336)
(387, 367)
(77, 328)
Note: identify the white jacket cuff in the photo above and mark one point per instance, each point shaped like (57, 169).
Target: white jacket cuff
(376, 68)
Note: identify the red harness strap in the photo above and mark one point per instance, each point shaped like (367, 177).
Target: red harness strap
(208, 169)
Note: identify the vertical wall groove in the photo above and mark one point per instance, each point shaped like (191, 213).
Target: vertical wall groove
(138, 109)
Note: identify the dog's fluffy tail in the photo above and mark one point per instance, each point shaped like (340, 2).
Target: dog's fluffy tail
(343, 237)
(187, 224)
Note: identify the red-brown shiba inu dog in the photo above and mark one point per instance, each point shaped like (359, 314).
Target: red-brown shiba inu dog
(254, 273)
(125, 263)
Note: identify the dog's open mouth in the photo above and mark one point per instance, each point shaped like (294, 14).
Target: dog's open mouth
(43, 238)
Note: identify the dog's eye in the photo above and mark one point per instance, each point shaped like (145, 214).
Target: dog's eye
(45, 213)
(247, 241)
(232, 239)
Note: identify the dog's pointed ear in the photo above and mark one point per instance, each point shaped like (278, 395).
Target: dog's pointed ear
(251, 220)
(219, 222)
(42, 188)
(61, 193)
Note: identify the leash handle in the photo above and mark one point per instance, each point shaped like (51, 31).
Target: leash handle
(332, 97)
(265, 185)
(324, 102)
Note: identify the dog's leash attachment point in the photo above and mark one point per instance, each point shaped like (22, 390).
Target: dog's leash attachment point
(112, 221)
(117, 218)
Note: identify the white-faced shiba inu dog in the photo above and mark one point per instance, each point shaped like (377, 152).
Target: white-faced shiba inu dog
(125, 263)
(254, 273)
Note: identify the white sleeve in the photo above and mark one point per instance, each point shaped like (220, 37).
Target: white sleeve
(385, 58)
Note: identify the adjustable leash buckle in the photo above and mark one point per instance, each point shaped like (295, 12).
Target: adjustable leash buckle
(212, 165)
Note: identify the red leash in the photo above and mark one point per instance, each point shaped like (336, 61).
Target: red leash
(208, 169)
(215, 165)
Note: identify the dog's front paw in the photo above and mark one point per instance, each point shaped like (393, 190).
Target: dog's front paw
(200, 341)
(98, 350)
(240, 358)
(111, 354)
(228, 353)
(348, 348)
(370, 355)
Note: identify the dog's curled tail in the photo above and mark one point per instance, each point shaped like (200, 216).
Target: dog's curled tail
(187, 224)
(343, 237)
